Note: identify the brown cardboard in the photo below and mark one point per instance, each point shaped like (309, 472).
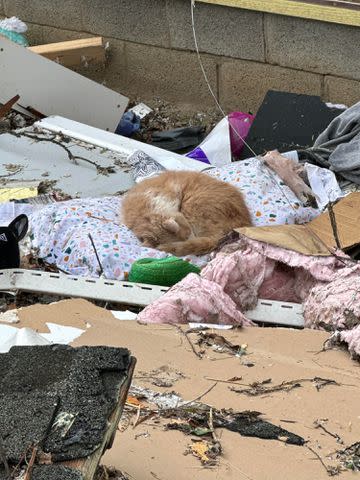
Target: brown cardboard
(277, 353)
(317, 237)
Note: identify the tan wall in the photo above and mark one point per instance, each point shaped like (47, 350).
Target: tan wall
(245, 53)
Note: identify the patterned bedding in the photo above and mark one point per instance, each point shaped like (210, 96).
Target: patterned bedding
(59, 233)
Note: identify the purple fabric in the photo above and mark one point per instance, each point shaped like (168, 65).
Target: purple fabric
(198, 154)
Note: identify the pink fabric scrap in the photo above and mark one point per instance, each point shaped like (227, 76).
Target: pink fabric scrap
(194, 299)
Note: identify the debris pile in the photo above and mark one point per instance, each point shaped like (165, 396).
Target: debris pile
(67, 160)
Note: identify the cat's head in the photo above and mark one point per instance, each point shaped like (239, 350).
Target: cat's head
(158, 229)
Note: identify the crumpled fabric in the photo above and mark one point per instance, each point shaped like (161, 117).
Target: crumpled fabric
(338, 146)
(194, 299)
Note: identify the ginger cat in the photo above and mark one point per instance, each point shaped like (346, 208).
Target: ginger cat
(183, 213)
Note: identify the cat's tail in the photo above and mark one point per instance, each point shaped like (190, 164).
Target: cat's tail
(192, 246)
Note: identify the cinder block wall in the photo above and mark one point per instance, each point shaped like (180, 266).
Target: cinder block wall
(245, 53)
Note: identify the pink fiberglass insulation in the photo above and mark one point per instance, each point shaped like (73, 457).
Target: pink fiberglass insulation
(194, 299)
(335, 305)
(247, 270)
(351, 338)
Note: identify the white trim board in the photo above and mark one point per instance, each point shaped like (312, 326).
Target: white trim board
(138, 294)
(53, 89)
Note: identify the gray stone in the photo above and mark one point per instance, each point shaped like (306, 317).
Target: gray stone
(2, 9)
(341, 90)
(225, 31)
(140, 21)
(34, 34)
(60, 14)
(243, 84)
(322, 47)
(53, 34)
(172, 75)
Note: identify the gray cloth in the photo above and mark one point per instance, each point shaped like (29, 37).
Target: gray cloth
(338, 147)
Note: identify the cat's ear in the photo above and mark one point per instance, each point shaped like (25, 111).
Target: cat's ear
(171, 225)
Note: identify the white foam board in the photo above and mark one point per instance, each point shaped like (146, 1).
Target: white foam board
(50, 88)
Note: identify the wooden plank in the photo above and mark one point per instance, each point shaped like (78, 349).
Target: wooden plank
(300, 9)
(56, 90)
(5, 109)
(87, 466)
(73, 52)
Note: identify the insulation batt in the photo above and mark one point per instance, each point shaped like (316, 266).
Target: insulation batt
(247, 270)
(194, 299)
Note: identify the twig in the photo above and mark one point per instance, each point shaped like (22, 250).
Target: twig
(211, 426)
(96, 254)
(318, 424)
(227, 381)
(179, 329)
(334, 224)
(73, 158)
(10, 174)
(31, 464)
(200, 396)
(331, 471)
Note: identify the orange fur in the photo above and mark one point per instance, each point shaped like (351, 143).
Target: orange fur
(183, 213)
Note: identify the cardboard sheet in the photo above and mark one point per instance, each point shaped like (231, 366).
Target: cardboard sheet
(317, 238)
(276, 353)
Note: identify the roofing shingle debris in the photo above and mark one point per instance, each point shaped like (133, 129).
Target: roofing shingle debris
(57, 401)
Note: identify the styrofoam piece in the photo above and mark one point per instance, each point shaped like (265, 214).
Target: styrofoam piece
(19, 336)
(141, 110)
(124, 315)
(61, 333)
(10, 316)
(117, 143)
(211, 325)
(138, 294)
(279, 313)
(72, 286)
(50, 88)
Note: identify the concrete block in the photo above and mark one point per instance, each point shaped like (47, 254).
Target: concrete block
(140, 21)
(341, 90)
(243, 84)
(34, 34)
(61, 14)
(225, 31)
(310, 45)
(112, 74)
(53, 35)
(172, 75)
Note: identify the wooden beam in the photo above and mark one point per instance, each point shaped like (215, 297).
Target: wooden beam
(301, 9)
(74, 52)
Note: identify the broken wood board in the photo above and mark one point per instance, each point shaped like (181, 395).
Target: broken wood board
(276, 353)
(73, 53)
(318, 238)
(51, 89)
(5, 109)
